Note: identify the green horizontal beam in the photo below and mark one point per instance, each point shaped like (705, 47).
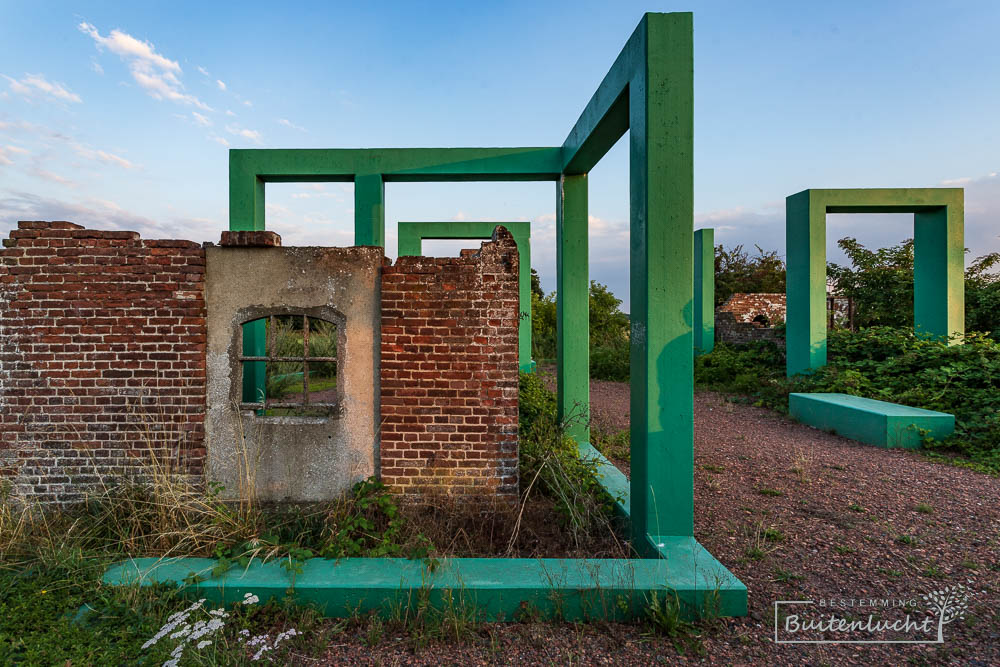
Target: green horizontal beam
(499, 589)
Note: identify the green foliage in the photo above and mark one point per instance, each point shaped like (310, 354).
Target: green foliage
(737, 271)
(371, 525)
(756, 369)
(881, 283)
(550, 462)
(609, 331)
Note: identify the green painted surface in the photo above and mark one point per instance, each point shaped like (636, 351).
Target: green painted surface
(938, 266)
(704, 290)
(867, 420)
(573, 307)
(661, 121)
(611, 479)
(369, 210)
(500, 588)
(411, 235)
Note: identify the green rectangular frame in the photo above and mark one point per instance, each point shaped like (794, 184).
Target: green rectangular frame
(938, 262)
(409, 243)
(649, 93)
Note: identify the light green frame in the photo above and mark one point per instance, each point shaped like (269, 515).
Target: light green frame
(938, 262)
(648, 92)
(409, 243)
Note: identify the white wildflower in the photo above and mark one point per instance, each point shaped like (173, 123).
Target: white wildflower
(250, 598)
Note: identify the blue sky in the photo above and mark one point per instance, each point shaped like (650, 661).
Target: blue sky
(120, 115)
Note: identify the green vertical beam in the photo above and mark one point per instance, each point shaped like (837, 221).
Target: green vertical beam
(704, 290)
(573, 306)
(938, 271)
(369, 210)
(805, 283)
(524, 301)
(246, 214)
(661, 173)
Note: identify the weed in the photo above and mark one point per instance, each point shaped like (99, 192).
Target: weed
(785, 576)
(843, 549)
(924, 508)
(713, 468)
(906, 539)
(764, 491)
(854, 507)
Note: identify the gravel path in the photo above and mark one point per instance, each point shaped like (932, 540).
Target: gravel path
(796, 514)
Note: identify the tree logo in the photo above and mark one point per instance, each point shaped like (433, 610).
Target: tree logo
(950, 603)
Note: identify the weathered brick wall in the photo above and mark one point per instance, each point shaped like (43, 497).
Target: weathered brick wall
(102, 357)
(449, 372)
(734, 320)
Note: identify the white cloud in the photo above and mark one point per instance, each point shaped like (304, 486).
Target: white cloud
(96, 66)
(203, 71)
(3, 157)
(201, 120)
(219, 140)
(17, 149)
(288, 123)
(101, 214)
(33, 85)
(229, 112)
(953, 182)
(220, 84)
(155, 73)
(247, 103)
(46, 175)
(252, 135)
(103, 156)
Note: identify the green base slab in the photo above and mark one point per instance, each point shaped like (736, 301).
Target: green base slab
(500, 589)
(867, 420)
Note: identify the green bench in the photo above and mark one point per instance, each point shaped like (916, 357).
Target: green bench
(867, 420)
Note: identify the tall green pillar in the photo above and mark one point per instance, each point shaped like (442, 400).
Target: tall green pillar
(805, 283)
(661, 146)
(939, 270)
(369, 210)
(704, 290)
(573, 306)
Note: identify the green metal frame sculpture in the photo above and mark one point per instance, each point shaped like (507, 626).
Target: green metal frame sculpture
(938, 262)
(648, 92)
(704, 290)
(412, 234)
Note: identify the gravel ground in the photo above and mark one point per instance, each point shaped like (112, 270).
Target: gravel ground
(796, 514)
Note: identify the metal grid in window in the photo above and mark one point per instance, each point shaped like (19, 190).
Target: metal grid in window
(273, 358)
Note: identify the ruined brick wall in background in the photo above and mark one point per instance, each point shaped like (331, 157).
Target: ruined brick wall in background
(449, 373)
(102, 357)
(744, 318)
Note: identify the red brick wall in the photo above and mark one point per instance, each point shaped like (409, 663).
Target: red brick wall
(449, 372)
(102, 357)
